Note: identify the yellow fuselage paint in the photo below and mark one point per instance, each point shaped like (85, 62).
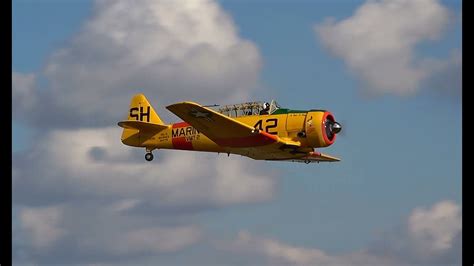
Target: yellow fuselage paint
(182, 136)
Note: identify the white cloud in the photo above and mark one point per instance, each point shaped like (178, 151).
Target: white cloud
(158, 239)
(23, 94)
(378, 42)
(124, 205)
(93, 163)
(432, 232)
(43, 225)
(435, 229)
(115, 205)
(279, 251)
(90, 232)
(171, 51)
(111, 198)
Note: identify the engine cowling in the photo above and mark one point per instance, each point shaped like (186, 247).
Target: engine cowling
(321, 128)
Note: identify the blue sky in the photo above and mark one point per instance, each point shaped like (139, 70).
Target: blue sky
(399, 151)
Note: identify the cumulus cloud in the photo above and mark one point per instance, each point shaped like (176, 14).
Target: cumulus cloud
(116, 207)
(23, 90)
(72, 164)
(91, 232)
(114, 204)
(278, 253)
(42, 225)
(435, 229)
(378, 42)
(427, 238)
(171, 51)
(158, 239)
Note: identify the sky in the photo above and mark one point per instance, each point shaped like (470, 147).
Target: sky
(389, 71)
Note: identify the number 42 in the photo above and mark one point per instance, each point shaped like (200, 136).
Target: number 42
(271, 123)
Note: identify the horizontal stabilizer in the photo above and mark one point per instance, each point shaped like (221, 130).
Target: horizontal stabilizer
(142, 126)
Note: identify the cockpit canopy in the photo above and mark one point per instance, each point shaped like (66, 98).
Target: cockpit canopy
(246, 109)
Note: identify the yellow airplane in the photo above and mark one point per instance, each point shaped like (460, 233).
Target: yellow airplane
(261, 131)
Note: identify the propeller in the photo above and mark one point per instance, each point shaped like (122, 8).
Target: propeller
(343, 133)
(332, 128)
(335, 127)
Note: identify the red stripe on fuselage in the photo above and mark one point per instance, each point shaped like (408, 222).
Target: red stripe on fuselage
(263, 138)
(181, 124)
(180, 143)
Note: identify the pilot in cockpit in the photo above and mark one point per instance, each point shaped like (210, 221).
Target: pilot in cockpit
(266, 109)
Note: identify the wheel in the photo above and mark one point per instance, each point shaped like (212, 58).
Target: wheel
(149, 156)
(307, 161)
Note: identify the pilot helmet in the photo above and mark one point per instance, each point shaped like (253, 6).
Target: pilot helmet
(266, 105)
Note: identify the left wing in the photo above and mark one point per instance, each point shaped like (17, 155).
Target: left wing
(220, 128)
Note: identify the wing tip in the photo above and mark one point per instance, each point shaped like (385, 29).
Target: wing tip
(324, 157)
(183, 103)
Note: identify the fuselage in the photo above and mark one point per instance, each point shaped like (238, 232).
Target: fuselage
(304, 127)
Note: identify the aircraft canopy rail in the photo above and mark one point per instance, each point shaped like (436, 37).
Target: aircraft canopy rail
(246, 109)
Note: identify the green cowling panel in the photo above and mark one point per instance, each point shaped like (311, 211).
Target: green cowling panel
(283, 111)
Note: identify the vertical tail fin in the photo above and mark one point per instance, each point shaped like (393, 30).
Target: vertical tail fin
(141, 110)
(142, 121)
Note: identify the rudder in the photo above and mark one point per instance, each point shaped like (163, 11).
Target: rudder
(141, 110)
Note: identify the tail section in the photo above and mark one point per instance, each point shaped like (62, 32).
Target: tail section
(141, 110)
(142, 122)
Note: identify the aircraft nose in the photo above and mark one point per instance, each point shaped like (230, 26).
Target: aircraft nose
(336, 127)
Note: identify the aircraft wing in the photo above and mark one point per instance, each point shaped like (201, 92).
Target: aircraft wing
(220, 128)
(314, 157)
